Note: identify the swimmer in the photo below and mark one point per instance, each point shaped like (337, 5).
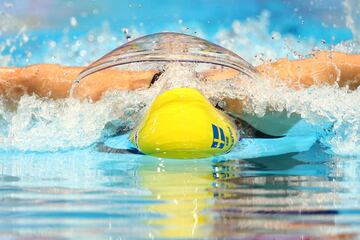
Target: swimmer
(55, 81)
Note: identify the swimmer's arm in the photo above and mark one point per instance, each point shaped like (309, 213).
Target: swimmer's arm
(54, 81)
(321, 69)
(44, 80)
(50, 80)
(324, 68)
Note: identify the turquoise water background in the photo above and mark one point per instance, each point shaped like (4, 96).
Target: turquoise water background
(53, 21)
(56, 183)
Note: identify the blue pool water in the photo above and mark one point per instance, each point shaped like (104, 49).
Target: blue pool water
(57, 181)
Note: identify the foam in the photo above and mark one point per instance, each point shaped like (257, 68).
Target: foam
(53, 125)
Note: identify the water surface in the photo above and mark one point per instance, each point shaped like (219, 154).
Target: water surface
(55, 184)
(92, 195)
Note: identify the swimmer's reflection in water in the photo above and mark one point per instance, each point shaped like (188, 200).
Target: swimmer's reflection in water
(272, 198)
(55, 81)
(241, 198)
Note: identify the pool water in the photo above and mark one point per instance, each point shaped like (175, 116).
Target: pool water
(92, 195)
(57, 181)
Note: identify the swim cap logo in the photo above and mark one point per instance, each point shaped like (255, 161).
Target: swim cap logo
(218, 137)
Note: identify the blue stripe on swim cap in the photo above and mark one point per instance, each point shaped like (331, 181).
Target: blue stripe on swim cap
(214, 144)
(222, 135)
(215, 131)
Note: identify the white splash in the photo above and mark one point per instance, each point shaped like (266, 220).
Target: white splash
(253, 40)
(48, 125)
(332, 110)
(352, 10)
(53, 125)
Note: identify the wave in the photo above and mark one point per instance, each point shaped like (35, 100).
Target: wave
(52, 125)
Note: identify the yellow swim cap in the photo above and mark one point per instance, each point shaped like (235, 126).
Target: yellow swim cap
(181, 123)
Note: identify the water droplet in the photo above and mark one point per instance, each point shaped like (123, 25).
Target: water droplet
(126, 33)
(275, 36)
(83, 53)
(29, 54)
(73, 22)
(25, 38)
(91, 37)
(52, 44)
(100, 39)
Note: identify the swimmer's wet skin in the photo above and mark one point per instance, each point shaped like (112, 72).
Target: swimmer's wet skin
(181, 123)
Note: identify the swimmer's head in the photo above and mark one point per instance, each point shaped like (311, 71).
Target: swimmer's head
(181, 123)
